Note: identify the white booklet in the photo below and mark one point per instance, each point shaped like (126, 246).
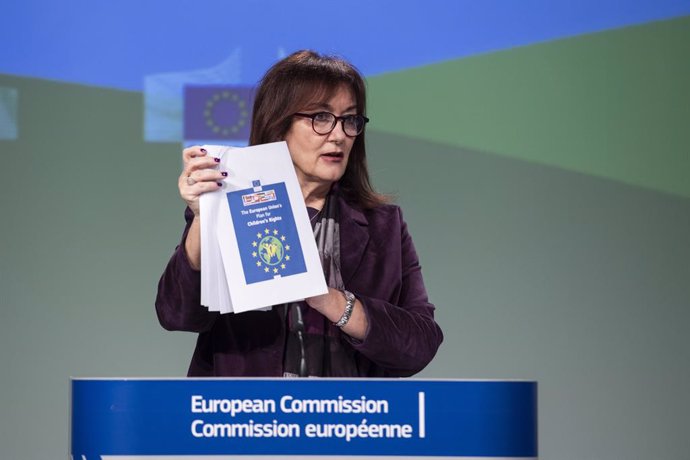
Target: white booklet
(257, 244)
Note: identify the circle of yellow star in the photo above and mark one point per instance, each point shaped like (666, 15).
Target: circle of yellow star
(239, 108)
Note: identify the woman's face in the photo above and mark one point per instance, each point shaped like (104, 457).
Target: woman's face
(321, 159)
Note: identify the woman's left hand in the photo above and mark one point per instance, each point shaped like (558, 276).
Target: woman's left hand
(332, 306)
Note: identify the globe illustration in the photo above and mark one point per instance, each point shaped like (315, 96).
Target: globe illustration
(271, 250)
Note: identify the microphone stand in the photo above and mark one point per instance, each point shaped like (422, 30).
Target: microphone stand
(298, 321)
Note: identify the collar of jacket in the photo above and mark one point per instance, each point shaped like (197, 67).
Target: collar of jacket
(354, 237)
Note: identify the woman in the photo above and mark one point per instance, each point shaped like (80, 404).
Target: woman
(376, 319)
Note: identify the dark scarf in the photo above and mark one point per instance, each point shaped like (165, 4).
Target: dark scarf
(314, 346)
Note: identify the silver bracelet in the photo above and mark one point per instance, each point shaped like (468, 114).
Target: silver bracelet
(349, 306)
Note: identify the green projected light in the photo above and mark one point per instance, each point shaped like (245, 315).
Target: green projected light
(614, 104)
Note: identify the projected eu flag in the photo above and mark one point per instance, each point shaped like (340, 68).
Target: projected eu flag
(217, 112)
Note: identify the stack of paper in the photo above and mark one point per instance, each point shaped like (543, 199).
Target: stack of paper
(257, 245)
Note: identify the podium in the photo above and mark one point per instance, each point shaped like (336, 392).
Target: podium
(319, 418)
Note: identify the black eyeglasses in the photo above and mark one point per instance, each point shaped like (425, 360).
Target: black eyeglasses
(324, 122)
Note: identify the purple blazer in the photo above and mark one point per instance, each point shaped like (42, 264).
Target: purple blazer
(378, 264)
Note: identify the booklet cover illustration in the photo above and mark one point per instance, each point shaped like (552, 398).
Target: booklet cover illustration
(266, 233)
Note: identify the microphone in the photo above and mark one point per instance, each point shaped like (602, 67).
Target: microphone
(298, 321)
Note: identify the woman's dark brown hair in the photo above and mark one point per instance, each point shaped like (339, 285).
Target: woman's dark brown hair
(297, 81)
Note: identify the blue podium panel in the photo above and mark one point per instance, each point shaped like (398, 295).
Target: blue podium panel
(275, 418)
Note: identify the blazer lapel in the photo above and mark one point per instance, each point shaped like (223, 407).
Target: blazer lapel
(354, 237)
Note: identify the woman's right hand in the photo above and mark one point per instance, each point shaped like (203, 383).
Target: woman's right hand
(199, 175)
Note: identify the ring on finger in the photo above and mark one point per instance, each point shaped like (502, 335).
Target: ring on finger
(190, 180)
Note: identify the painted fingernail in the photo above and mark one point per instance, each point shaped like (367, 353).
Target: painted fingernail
(224, 174)
(220, 184)
(217, 160)
(203, 150)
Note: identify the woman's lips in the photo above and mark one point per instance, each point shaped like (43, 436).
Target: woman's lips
(333, 156)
